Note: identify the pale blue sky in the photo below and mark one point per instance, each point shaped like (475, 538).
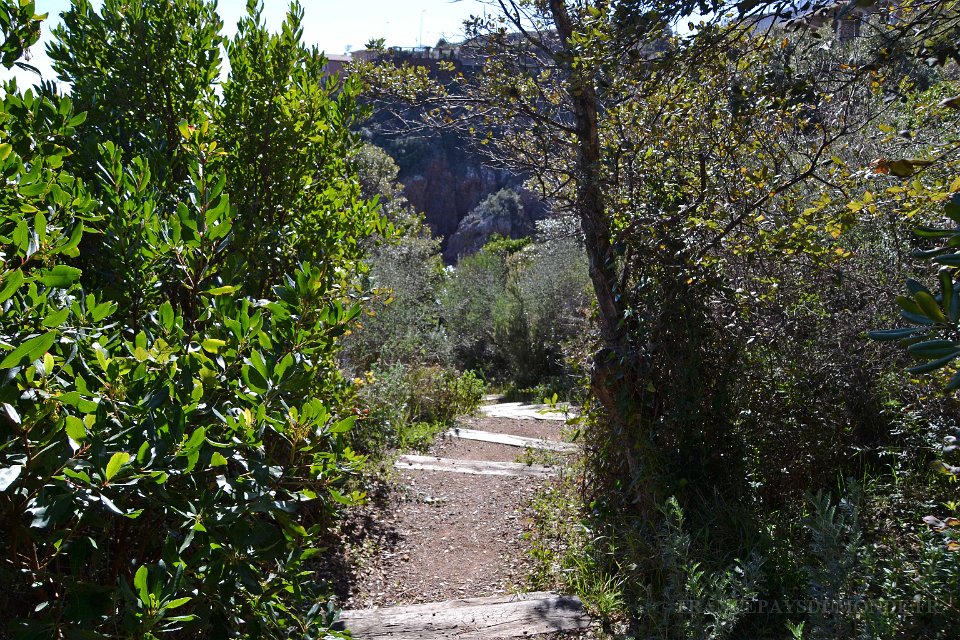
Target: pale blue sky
(333, 25)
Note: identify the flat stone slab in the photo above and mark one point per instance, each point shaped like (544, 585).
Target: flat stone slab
(522, 411)
(513, 441)
(475, 467)
(494, 618)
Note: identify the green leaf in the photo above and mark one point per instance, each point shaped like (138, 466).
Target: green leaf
(179, 602)
(60, 276)
(901, 168)
(13, 282)
(344, 425)
(166, 316)
(932, 349)
(933, 232)
(56, 318)
(915, 287)
(117, 461)
(212, 344)
(48, 364)
(930, 307)
(217, 460)
(256, 359)
(221, 291)
(30, 350)
(76, 429)
(75, 236)
(894, 334)
(950, 260)
(103, 310)
(140, 583)
(909, 304)
(196, 439)
(934, 365)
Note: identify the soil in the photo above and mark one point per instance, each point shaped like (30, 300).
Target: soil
(428, 536)
(462, 449)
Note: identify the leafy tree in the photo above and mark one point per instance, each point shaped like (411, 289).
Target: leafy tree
(286, 123)
(21, 29)
(139, 68)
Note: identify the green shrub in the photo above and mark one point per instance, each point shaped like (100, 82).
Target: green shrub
(174, 435)
(403, 319)
(402, 401)
(515, 309)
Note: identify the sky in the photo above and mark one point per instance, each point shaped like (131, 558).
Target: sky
(333, 25)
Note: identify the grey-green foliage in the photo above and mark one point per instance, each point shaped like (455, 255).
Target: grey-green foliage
(860, 587)
(378, 173)
(547, 306)
(403, 323)
(834, 579)
(469, 297)
(407, 404)
(513, 307)
(694, 602)
(503, 205)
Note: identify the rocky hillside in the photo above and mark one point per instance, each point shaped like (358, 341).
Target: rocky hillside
(447, 182)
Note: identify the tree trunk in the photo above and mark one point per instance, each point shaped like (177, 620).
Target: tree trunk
(615, 376)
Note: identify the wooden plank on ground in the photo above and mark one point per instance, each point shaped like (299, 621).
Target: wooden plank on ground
(495, 618)
(507, 439)
(475, 467)
(521, 411)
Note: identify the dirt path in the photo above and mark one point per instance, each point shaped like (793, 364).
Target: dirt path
(435, 536)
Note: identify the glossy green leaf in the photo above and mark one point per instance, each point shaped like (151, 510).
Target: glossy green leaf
(116, 462)
(30, 350)
(13, 281)
(60, 276)
(932, 349)
(934, 365)
(930, 307)
(76, 429)
(894, 334)
(140, 584)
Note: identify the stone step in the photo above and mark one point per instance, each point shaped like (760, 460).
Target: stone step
(510, 440)
(523, 411)
(495, 618)
(475, 467)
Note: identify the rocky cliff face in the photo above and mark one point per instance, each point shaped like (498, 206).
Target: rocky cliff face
(506, 213)
(446, 182)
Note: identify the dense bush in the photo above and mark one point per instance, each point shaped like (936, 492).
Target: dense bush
(403, 319)
(518, 309)
(744, 201)
(175, 431)
(406, 405)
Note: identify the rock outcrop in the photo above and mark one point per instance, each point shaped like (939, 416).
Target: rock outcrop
(446, 182)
